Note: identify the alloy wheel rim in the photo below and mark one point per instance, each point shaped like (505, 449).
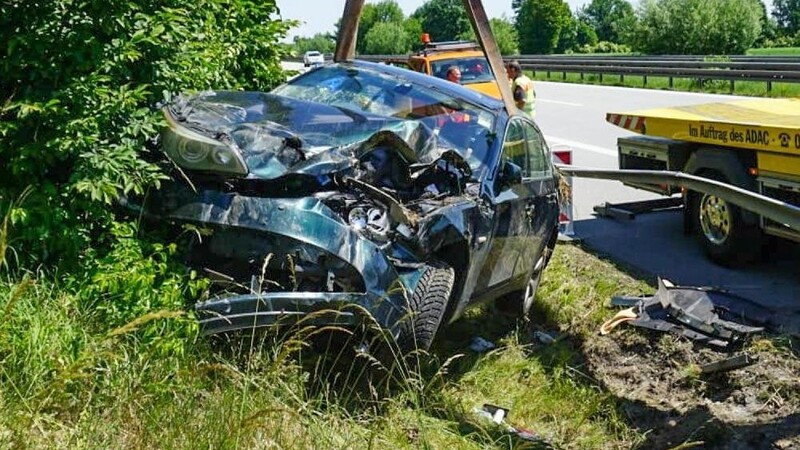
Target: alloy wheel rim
(532, 287)
(715, 219)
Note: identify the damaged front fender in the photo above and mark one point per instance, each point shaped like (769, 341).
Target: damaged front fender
(311, 230)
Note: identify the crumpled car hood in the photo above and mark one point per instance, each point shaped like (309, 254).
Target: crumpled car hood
(278, 135)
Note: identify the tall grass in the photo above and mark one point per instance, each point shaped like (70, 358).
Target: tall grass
(67, 381)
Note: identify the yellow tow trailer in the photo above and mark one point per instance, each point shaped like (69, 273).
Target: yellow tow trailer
(752, 144)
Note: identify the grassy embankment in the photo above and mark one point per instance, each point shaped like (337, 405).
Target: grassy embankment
(778, 51)
(65, 384)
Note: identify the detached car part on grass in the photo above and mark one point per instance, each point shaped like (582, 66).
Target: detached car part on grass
(357, 189)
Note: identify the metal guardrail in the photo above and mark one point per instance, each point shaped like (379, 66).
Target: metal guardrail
(768, 69)
(780, 212)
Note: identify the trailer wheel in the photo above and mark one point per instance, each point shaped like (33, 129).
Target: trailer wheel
(727, 239)
(427, 305)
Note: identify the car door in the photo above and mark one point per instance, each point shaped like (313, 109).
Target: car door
(507, 261)
(542, 205)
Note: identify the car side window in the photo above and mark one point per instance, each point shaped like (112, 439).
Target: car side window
(514, 147)
(538, 154)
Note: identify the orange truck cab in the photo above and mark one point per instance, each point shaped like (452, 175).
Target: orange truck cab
(437, 57)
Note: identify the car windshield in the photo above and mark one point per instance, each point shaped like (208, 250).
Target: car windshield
(473, 70)
(468, 128)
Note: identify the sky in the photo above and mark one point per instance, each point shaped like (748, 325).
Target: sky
(318, 16)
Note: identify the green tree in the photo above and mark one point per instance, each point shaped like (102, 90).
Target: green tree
(769, 28)
(321, 42)
(444, 20)
(385, 11)
(787, 14)
(606, 17)
(77, 84)
(413, 29)
(575, 35)
(697, 27)
(504, 33)
(539, 24)
(387, 39)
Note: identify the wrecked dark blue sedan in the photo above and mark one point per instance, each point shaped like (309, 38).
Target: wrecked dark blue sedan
(355, 189)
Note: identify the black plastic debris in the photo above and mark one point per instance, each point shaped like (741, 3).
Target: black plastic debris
(728, 364)
(707, 315)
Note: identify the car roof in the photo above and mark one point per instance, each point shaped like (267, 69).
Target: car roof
(447, 87)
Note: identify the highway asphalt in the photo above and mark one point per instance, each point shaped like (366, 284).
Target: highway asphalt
(573, 116)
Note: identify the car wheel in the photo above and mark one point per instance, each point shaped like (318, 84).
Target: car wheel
(521, 302)
(727, 239)
(427, 305)
(533, 285)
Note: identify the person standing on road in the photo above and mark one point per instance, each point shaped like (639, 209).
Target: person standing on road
(522, 88)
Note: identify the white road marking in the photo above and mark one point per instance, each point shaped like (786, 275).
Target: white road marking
(559, 102)
(581, 146)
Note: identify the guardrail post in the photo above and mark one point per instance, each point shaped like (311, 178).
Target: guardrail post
(769, 86)
(601, 77)
(670, 82)
(733, 86)
(564, 76)
(621, 78)
(644, 81)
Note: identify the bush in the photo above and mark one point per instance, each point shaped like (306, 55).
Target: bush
(78, 82)
(387, 39)
(697, 27)
(782, 41)
(605, 47)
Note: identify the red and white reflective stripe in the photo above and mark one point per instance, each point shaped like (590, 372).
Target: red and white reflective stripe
(563, 155)
(632, 123)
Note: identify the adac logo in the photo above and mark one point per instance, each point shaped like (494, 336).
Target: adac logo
(785, 139)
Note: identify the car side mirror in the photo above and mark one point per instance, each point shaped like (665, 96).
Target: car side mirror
(510, 175)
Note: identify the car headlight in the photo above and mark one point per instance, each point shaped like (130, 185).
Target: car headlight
(193, 151)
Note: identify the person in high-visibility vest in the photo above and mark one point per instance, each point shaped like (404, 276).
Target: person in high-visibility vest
(522, 88)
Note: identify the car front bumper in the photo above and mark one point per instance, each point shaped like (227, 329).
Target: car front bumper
(313, 229)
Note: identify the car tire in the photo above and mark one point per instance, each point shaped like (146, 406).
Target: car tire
(520, 303)
(720, 228)
(427, 305)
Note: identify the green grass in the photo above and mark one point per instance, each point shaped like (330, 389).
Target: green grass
(66, 382)
(746, 88)
(778, 51)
